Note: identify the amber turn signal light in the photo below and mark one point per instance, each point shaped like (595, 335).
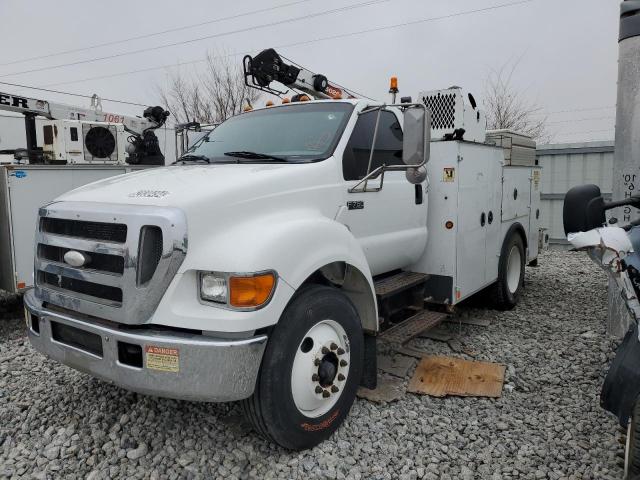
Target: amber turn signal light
(251, 292)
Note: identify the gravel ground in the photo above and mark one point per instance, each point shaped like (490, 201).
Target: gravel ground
(58, 423)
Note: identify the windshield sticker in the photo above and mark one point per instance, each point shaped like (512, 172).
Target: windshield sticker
(149, 194)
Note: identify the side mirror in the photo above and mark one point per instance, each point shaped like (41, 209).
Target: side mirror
(416, 142)
(583, 209)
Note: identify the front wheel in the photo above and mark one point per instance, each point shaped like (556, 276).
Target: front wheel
(310, 370)
(632, 447)
(506, 291)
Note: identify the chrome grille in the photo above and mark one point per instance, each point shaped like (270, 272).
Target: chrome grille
(97, 261)
(131, 255)
(108, 232)
(62, 282)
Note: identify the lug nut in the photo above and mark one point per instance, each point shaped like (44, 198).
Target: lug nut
(341, 351)
(326, 394)
(334, 389)
(318, 389)
(325, 350)
(333, 346)
(341, 377)
(343, 363)
(315, 377)
(316, 362)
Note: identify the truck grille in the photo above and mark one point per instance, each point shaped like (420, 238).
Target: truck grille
(98, 261)
(128, 257)
(108, 232)
(149, 253)
(95, 290)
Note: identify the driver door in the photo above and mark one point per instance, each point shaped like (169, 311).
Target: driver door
(390, 224)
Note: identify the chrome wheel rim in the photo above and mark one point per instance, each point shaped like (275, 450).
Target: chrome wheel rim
(320, 368)
(514, 269)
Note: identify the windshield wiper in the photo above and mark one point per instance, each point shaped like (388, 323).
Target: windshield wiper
(193, 158)
(255, 156)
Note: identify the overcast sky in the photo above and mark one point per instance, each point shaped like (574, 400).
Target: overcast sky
(566, 49)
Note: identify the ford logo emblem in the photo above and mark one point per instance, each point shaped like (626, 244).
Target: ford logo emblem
(76, 259)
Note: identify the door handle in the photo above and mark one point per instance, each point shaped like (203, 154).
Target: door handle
(419, 194)
(490, 218)
(483, 218)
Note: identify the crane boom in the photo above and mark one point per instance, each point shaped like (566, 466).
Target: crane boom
(268, 67)
(59, 111)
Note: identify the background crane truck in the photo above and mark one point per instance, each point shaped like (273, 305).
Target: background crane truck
(268, 263)
(63, 147)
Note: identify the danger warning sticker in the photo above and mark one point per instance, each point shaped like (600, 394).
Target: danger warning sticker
(163, 359)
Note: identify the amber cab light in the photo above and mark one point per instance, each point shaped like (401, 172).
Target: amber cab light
(251, 292)
(449, 225)
(393, 84)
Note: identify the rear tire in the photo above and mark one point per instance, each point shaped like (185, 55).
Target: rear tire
(310, 370)
(506, 291)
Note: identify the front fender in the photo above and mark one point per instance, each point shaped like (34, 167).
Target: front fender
(294, 244)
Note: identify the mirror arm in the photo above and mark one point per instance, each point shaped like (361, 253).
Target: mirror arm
(383, 168)
(632, 201)
(381, 171)
(373, 146)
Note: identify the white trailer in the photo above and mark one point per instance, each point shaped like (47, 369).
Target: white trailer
(23, 190)
(269, 263)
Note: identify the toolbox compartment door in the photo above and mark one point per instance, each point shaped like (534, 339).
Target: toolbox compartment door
(516, 192)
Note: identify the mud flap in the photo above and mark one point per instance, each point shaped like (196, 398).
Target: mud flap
(370, 368)
(622, 384)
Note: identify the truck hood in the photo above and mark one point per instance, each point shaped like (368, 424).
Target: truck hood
(186, 186)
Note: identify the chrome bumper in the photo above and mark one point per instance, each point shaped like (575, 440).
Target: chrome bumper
(173, 364)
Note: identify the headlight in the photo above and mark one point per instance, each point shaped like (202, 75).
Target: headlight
(213, 287)
(242, 291)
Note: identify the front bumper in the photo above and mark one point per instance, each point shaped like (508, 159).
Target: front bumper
(171, 364)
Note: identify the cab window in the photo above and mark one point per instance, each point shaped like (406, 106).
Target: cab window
(388, 149)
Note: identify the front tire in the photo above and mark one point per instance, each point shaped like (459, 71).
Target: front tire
(506, 291)
(310, 370)
(632, 447)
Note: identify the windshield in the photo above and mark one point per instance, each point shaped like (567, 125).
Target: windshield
(294, 133)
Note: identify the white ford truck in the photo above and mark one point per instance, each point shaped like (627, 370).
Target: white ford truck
(264, 265)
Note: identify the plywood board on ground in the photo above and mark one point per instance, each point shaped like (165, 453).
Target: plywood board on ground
(442, 376)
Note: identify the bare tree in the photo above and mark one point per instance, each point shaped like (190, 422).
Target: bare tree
(507, 108)
(210, 95)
